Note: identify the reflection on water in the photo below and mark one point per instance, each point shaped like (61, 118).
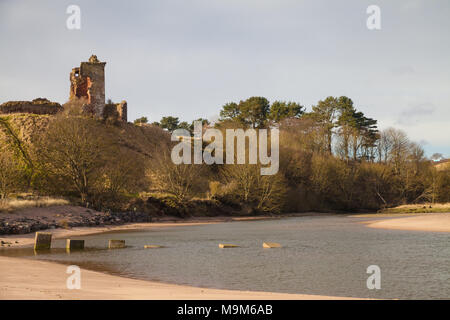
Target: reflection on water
(325, 255)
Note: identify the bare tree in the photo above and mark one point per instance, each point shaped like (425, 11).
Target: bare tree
(395, 147)
(177, 180)
(122, 174)
(75, 149)
(266, 193)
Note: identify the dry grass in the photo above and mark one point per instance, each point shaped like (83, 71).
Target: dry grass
(10, 205)
(420, 208)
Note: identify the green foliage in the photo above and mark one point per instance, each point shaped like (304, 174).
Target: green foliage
(252, 112)
(141, 120)
(184, 125)
(173, 123)
(255, 112)
(332, 158)
(358, 134)
(170, 123)
(281, 110)
(230, 111)
(204, 122)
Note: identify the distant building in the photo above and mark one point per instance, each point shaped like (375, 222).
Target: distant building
(442, 164)
(37, 106)
(87, 82)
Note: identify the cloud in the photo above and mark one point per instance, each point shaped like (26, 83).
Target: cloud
(416, 113)
(403, 70)
(412, 5)
(188, 58)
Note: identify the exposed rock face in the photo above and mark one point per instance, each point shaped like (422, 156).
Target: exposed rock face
(24, 221)
(88, 81)
(37, 106)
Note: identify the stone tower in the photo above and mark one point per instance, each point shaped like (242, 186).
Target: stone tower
(88, 81)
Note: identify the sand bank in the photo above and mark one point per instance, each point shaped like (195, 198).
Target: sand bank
(31, 279)
(437, 222)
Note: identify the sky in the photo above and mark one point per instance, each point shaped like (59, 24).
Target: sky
(187, 58)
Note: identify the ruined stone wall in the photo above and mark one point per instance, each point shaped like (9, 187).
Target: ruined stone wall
(36, 106)
(78, 85)
(88, 81)
(110, 111)
(116, 111)
(122, 109)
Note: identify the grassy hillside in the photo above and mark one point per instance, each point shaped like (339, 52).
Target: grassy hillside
(23, 130)
(76, 155)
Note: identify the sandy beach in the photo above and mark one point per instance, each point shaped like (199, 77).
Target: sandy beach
(434, 222)
(29, 279)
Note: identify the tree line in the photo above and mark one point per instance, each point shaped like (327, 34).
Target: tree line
(333, 157)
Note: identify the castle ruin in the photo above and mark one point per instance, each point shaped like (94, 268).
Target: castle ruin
(86, 82)
(40, 106)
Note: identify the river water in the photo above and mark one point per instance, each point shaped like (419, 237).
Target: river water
(325, 255)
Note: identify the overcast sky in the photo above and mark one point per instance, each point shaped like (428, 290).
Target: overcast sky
(187, 58)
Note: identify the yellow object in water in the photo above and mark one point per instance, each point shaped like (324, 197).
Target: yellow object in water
(116, 244)
(42, 241)
(152, 246)
(271, 245)
(224, 245)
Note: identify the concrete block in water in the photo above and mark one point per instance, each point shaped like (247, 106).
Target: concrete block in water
(116, 244)
(227, 245)
(271, 245)
(42, 241)
(74, 244)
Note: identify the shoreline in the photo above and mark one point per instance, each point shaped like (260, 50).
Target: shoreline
(34, 279)
(435, 222)
(26, 240)
(25, 279)
(426, 222)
